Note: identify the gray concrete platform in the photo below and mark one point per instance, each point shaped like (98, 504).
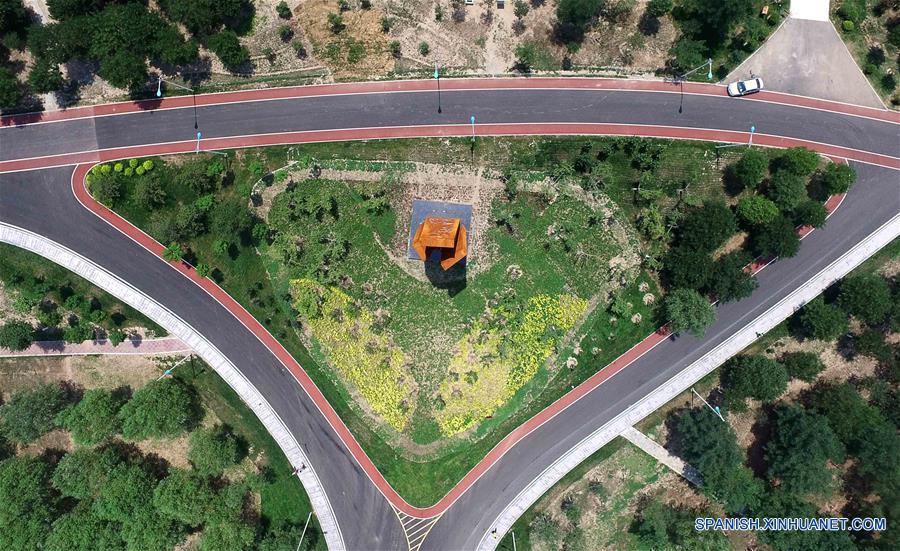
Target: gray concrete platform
(809, 58)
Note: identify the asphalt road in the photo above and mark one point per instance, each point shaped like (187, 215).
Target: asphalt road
(420, 108)
(41, 201)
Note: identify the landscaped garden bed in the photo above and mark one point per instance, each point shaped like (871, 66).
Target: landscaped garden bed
(431, 369)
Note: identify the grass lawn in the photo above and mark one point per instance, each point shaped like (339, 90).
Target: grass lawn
(869, 44)
(419, 460)
(34, 283)
(282, 498)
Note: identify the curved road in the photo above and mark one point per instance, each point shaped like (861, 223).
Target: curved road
(42, 201)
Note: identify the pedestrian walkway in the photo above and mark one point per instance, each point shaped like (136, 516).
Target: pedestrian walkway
(806, 56)
(133, 346)
(656, 451)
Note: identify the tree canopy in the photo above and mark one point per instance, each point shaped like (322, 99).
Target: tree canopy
(159, 409)
(711, 447)
(777, 238)
(865, 296)
(94, 418)
(802, 443)
(805, 366)
(27, 503)
(30, 413)
(706, 228)
(818, 320)
(756, 210)
(750, 169)
(660, 526)
(185, 497)
(16, 335)
(213, 449)
(755, 376)
(728, 280)
(689, 312)
(81, 530)
(837, 178)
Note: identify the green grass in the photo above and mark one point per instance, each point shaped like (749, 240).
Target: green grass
(282, 498)
(422, 480)
(18, 265)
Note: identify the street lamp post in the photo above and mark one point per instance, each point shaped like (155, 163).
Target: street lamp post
(168, 372)
(715, 410)
(681, 78)
(299, 543)
(159, 92)
(437, 78)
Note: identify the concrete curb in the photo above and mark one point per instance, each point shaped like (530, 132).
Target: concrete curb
(210, 354)
(683, 380)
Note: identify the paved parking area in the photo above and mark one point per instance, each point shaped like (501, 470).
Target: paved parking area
(815, 10)
(807, 57)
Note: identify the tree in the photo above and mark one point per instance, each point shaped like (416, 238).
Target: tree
(728, 280)
(335, 22)
(212, 450)
(756, 210)
(687, 268)
(226, 45)
(13, 16)
(715, 20)
(878, 450)
(205, 17)
(10, 91)
(526, 57)
(848, 414)
(124, 70)
(123, 493)
(189, 222)
(837, 178)
(520, 9)
(780, 503)
(160, 409)
(149, 531)
(787, 189)
(802, 443)
(94, 418)
(80, 530)
(198, 177)
(659, 8)
(106, 188)
(810, 213)
(16, 335)
(573, 18)
(45, 76)
(688, 311)
(424, 48)
(756, 377)
(805, 366)
(224, 536)
(865, 296)
(30, 413)
(711, 447)
(686, 54)
(797, 160)
(81, 473)
(27, 503)
(821, 321)
(706, 228)
(660, 526)
(185, 497)
(171, 48)
(174, 252)
(231, 219)
(283, 10)
(750, 169)
(778, 238)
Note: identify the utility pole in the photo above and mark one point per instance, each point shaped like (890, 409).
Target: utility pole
(299, 543)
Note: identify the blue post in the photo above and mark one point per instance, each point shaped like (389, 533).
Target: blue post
(159, 88)
(472, 120)
(709, 74)
(199, 135)
(752, 130)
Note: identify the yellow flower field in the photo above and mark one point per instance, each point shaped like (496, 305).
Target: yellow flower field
(502, 351)
(367, 359)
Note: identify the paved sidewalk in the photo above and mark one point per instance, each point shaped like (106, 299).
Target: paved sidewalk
(656, 451)
(136, 347)
(809, 58)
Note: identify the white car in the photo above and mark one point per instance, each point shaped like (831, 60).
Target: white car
(744, 87)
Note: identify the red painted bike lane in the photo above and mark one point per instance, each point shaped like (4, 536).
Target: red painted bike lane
(510, 440)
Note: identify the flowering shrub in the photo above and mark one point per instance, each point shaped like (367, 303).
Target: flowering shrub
(367, 359)
(503, 351)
